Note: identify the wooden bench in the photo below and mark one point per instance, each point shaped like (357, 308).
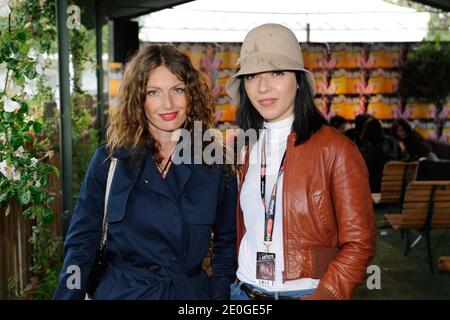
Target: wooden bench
(396, 176)
(426, 206)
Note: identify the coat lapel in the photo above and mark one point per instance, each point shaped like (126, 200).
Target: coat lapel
(125, 178)
(180, 176)
(153, 180)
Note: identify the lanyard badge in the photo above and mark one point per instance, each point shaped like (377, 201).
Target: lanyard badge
(265, 261)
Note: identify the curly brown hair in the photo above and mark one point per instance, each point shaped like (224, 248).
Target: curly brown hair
(128, 126)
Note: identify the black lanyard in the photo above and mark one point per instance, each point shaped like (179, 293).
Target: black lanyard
(169, 162)
(166, 168)
(270, 209)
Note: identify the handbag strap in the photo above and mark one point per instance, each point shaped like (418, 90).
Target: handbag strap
(112, 169)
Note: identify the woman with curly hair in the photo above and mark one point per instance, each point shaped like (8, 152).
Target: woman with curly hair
(160, 213)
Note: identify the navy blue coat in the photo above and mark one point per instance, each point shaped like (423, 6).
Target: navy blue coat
(158, 234)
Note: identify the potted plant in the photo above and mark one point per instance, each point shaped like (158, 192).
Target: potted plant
(425, 75)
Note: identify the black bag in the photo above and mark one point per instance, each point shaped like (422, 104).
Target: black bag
(100, 264)
(97, 271)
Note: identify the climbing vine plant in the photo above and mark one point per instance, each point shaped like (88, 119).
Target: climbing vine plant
(24, 157)
(28, 139)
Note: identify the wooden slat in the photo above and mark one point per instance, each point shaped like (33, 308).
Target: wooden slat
(424, 205)
(415, 198)
(415, 206)
(393, 179)
(14, 249)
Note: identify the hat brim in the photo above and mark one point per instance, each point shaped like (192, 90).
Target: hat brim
(264, 63)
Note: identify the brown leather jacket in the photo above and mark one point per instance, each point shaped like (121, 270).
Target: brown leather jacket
(328, 218)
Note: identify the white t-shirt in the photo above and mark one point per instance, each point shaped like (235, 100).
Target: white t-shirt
(254, 214)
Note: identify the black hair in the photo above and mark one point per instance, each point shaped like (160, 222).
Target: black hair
(307, 118)
(337, 121)
(372, 132)
(360, 120)
(401, 123)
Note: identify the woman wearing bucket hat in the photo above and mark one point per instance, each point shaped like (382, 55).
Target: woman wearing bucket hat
(305, 221)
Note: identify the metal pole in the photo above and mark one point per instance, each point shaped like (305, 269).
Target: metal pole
(99, 51)
(66, 119)
(308, 32)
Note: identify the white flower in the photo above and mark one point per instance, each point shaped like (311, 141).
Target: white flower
(16, 175)
(9, 171)
(36, 182)
(4, 169)
(19, 152)
(10, 105)
(35, 55)
(34, 161)
(41, 64)
(4, 8)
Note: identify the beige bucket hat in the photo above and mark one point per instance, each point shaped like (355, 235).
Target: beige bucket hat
(265, 48)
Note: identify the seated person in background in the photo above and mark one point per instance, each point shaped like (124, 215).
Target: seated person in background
(339, 122)
(377, 149)
(354, 134)
(411, 141)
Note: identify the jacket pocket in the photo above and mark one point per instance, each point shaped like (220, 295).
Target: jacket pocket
(321, 257)
(116, 210)
(321, 210)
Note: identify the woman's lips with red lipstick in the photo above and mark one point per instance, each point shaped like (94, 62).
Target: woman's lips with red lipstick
(168, 116)
(267, 102)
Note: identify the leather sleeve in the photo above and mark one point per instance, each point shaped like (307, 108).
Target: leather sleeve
(355, 219)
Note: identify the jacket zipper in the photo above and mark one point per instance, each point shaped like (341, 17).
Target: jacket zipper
(284, 218)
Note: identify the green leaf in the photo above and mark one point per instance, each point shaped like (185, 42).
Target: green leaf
(23, 107)
(39, 197)
(6, 37)
(21, 35)
(43, 180)
(12, 64)
(47, 215)
(13, 47)
(20, 79)
(25, 197)
(16, 142)
(37, 127)
(9, 116)
(30, 72)
(27, 213)
(3, 196)
(24, 48)
(46, 168)
(34, 191)
(27, 137)
(51, 199)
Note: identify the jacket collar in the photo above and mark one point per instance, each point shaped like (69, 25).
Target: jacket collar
(177, 178)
